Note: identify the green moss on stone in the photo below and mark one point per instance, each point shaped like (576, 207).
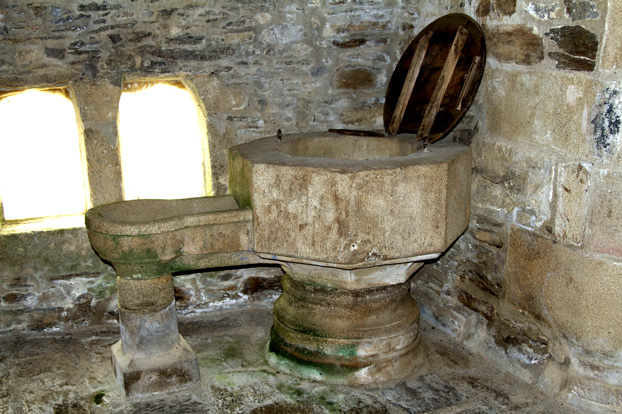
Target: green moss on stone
(104, 286)
(347, 350)
(98, 397)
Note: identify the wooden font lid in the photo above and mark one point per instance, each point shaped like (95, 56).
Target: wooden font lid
(445, 81)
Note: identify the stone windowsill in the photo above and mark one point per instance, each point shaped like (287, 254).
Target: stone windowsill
(41, 224)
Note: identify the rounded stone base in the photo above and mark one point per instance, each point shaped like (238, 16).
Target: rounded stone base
(354, 337)
(383, 373)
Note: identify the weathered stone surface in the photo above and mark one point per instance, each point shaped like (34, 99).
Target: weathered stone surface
(352, 279)
(611, 51)
(514, 43)
(505, 172)
(521, 338)
(500, 7)
(363, 116)
(351, 201)
(606, 120)
(101, 6)
(581, 9)
(483, 8)
(257, 286)
(579, 47)
(203, 55)
(605, 213)
(97, 101)
(145, 239)
(282, 75)
(56, 53)
(361, 331)
(123, 60)
(19, 298)
(543, 11)
(505, 7)
(103, 157)
(569, 289)
(565, 61)
(511, 112)
(152, 357)
(356, 78)
(573, 184)
(149, 295)
(424, 394)
(25, 255)
(484, 308)
(346, 44)
(575, 40)
(186, 39)
(231, 347)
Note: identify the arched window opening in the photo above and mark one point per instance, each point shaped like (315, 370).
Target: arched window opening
(163, 142)
(41, 162)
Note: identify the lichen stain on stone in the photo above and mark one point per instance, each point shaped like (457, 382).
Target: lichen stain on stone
(581, 9)
(606, 122)
(542, 11)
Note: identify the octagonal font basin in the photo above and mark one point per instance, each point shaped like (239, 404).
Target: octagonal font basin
(352, 202)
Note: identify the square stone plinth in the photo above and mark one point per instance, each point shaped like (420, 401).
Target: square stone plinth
(145, 373)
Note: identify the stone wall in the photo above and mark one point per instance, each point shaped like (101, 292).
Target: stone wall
(536, 280)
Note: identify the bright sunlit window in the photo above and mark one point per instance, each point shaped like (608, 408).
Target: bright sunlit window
(163, 136)
(41, 172)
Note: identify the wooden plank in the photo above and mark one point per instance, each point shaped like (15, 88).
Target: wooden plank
(468, 81)
(443, 82)
(357, 133)
(409, 83)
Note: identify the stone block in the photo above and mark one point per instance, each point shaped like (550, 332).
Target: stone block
(521, 339)
(605, 213)
(611, 51)
(102, 156)
(575, 40)
(568, 62)
(140, 374)
(545, 10)
(283, 33)
(515, 178)
(581, 9)
(359, 77)
(572, 291)
(572, 187)
(363, 116)
(530, 108)
(141, 295)
(27, 259)
(605, 120)
(499, 7)
(514, 43)
(578, 48)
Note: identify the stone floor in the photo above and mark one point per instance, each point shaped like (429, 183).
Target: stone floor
(70, 372)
